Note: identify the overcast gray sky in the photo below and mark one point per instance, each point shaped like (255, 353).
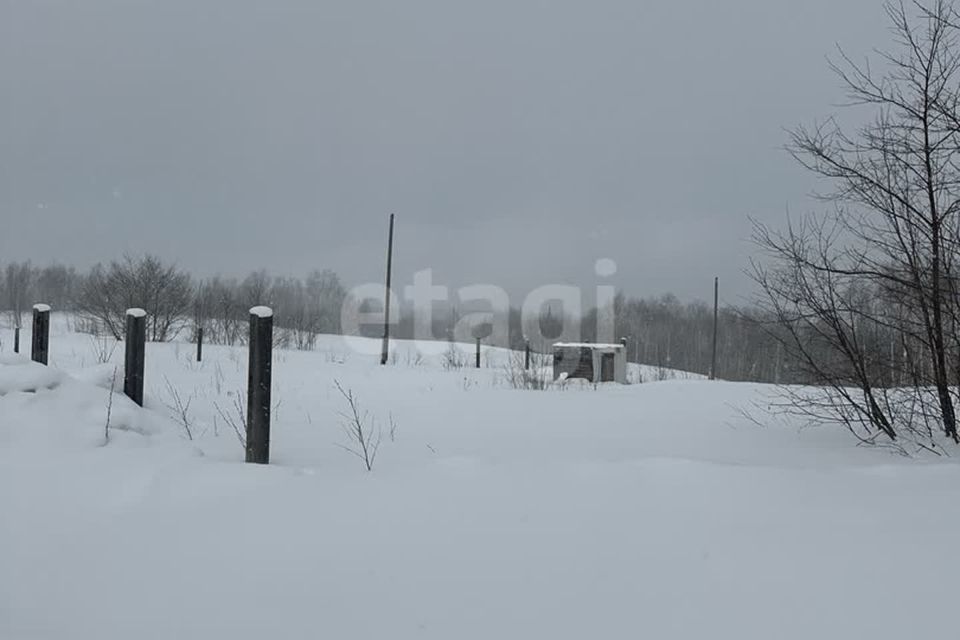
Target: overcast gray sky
(517, 141)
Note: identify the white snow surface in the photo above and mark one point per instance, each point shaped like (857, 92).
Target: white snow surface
(136, 312)
(41, 307)
(654, 510)
(262, 312)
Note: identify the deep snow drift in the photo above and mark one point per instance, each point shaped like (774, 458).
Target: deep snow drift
(653, 510)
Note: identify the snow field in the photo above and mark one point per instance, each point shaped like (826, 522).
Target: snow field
(652, 510)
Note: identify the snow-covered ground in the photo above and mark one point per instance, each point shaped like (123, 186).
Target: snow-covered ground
(654, 510)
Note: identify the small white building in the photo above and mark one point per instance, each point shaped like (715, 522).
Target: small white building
(590, 361)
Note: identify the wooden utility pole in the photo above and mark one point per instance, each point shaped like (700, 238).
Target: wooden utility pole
(716, 307)
(384, 354)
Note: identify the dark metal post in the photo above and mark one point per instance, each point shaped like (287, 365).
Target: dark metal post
(135, 354)
(258, 385)
(386, 300)
(526, 356)
(40, 344)
(16, 329)
(199, 344)
(716, 301)
(478, 353)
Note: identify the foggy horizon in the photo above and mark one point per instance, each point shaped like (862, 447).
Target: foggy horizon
(517, 143)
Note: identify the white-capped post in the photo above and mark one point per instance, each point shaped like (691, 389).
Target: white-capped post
(258, 385)
(40, 343)
(135, 354)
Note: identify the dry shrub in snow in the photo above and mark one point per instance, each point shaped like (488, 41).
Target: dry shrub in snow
(179, 408)
(537, 378)
(236, 418)
(362, 430)
(454, 358)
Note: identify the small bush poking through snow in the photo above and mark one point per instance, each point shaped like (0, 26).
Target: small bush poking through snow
(362, 431)
(454, 358)
(179, 407)
(537, 378)
(236, 418)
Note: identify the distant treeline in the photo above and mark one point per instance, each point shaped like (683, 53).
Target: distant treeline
(659, 331)
(175, 301)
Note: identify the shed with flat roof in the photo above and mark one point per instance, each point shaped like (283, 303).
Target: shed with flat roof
(595, 362)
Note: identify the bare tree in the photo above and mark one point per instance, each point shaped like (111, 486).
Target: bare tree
(18, 285)
(220, 310)
(325, 295)
(165, 292)
(890, 235)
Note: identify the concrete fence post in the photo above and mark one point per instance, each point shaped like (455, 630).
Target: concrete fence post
(135, 354)
(40, 343)
(258, 385)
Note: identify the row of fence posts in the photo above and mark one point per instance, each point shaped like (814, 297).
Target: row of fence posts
(258, 373)
(40, 344)
(526, 355)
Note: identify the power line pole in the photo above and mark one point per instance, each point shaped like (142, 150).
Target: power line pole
(384, 354)
(716, 306)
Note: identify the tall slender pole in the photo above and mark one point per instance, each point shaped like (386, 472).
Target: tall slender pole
(386, 299)
(716, 306)
(199, 344)
(478, 353)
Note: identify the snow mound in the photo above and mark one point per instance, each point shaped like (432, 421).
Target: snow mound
(45, 406)
(19, 374)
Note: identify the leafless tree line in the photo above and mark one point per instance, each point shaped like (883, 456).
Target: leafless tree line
(660, 331)
(303, 308)
(175, 301)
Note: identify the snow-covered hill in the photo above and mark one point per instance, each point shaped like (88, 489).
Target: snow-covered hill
(652, 510)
